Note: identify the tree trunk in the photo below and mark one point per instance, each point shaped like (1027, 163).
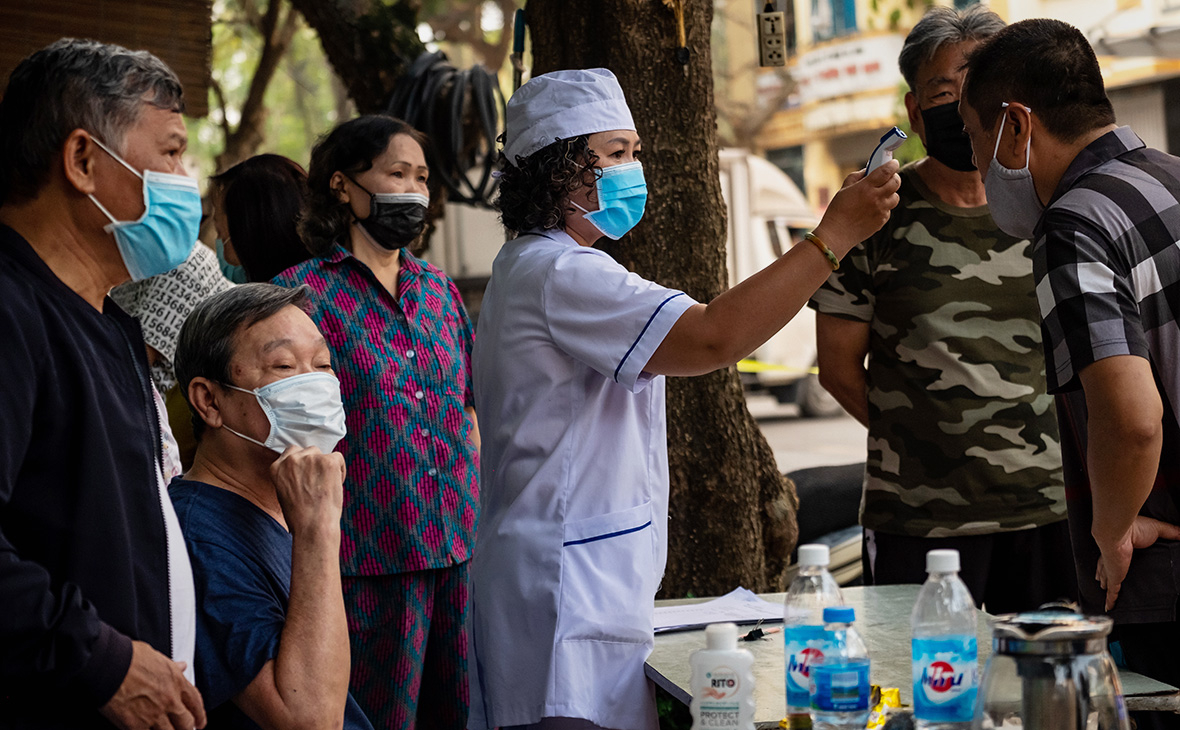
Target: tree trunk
(368, 43)
(732, 517)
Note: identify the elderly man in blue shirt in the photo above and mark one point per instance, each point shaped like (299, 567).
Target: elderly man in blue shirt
(260, 510)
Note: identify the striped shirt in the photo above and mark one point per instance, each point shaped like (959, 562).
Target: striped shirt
(1107, 266)
(411, 498)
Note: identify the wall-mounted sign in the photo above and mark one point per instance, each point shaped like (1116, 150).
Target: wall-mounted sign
(839, 69)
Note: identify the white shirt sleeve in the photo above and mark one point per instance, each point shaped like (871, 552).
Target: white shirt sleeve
(607, 317)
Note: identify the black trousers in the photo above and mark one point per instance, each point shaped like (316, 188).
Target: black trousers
(1006, 572)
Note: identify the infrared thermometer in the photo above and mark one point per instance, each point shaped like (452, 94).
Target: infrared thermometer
(890, 141)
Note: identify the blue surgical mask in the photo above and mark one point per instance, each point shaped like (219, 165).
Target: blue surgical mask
(622, 195)
(164, 235)
(303, 410)
(1011, 194)
(234, 272)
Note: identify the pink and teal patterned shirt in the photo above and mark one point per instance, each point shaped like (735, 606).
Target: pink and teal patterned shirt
(411, 498)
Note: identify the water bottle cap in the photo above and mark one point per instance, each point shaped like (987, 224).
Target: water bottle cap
(721, 637)
(942, 561)
(814, 556)
(839, 615)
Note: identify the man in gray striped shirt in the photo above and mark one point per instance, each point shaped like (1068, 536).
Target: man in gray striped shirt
(1104, 213)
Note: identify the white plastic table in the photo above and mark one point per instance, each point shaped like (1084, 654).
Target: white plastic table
(883, 619)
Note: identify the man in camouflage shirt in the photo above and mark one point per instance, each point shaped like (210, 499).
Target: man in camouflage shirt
(963, 450)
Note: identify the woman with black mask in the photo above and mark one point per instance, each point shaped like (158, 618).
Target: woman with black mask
(401, 347)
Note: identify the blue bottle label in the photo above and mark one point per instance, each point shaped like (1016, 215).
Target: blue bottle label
(841, 687)
(945, 673)
(802, 652)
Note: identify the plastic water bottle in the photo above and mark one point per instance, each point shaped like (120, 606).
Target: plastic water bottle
(840, 681)
(946, 656)
(722, 682)
(813, 590)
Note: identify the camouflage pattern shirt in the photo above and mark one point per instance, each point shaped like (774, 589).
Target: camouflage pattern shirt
(962, 434)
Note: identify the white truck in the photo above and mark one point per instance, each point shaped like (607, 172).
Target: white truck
(767, 214)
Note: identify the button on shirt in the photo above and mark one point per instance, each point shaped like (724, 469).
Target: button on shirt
(411, 499)
(572, 540)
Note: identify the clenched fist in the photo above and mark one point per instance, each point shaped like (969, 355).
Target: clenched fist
(310, 487)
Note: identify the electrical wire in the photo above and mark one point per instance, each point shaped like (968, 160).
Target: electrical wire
(460, 111)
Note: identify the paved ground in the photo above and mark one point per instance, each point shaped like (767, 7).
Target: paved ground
(800, 443)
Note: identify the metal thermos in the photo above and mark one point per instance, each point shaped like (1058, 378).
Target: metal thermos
(1050, 670)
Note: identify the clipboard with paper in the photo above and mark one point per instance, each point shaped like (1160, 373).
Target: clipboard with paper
(739, 606)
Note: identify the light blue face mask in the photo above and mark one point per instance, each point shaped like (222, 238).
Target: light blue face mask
(234, 272)
(164, 235)
(622, 195)
(303, 410)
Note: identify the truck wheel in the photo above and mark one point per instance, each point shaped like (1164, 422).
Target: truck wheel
(815, 402)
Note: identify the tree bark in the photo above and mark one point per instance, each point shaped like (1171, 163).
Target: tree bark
(732, 516)
(460, 23)
(368, 43)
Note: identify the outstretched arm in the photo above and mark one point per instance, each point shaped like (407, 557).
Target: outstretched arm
(717, 335)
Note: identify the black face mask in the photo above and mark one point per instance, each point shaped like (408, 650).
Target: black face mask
(395, 219)
(945, 139)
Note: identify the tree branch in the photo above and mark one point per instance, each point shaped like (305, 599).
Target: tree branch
(276, 38)
(367, 42)
(220, 94)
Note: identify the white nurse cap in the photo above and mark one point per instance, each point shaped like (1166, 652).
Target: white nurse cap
(563, 104)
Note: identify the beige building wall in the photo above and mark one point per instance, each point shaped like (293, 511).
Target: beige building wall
(849, 90)
(837, 131)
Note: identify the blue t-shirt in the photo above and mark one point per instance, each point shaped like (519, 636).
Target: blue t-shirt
(241, 561)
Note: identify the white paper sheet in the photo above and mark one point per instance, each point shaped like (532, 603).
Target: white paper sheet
(739, 606)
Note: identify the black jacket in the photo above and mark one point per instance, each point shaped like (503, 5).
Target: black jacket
(83, 558)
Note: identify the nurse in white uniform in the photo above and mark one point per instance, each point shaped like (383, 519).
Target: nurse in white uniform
(568, 362)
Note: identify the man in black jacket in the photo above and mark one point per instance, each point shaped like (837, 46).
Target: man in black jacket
(96, 595)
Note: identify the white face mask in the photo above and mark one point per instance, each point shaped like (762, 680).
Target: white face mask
(1011, 194)
(303, 410)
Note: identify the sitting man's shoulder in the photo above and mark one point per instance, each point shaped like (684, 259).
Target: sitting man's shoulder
(210, 516)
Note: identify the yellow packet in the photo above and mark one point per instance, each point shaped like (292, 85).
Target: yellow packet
(884, 701)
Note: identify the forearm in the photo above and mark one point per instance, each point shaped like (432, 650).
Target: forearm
(850, 389)
(755, 309)
(311, 670)
(737, 322)
(841, 345)
(734, 324)
(1122, 466)
(1124, 426)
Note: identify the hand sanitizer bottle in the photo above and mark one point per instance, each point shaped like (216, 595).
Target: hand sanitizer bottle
(722, 682)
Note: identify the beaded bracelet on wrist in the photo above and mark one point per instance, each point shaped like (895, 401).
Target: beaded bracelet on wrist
(823, 248)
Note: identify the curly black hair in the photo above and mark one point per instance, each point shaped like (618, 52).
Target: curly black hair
(535, 190)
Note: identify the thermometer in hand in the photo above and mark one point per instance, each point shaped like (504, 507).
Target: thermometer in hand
(890, 141)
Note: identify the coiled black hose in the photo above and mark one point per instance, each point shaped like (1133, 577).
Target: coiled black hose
(461, 111)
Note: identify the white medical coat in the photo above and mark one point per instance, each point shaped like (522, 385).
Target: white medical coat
(572, 537)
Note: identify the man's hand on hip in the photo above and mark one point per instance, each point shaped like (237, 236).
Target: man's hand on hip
(1115, 560)
(155, 695)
